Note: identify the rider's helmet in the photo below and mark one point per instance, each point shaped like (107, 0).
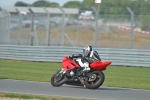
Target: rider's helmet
(87, 51)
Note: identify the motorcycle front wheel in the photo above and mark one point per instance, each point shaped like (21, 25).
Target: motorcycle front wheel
(57, 79)
(95, 81)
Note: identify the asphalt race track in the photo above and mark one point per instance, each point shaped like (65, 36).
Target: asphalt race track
(43, 88)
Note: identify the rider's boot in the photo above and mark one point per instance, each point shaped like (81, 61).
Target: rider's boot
(86, 67)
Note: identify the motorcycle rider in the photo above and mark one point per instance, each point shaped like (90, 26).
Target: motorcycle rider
(84, 59)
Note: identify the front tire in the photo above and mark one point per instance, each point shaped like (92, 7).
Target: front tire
(57, 79)
(96, 81)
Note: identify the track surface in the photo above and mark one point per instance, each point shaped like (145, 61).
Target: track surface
(43, 88)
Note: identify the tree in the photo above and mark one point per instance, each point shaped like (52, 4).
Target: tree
(72, 4)
(20, 3)
(53, 4)
(87, 4)
(41, 3)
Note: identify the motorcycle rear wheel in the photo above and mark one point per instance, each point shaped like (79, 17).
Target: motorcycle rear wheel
(96, 82)
(57, 79)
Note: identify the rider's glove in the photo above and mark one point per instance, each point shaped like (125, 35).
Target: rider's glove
(70, 57)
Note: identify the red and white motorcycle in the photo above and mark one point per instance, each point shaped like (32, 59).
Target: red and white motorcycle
(92, 79)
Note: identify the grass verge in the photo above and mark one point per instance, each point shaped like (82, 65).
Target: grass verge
(9, 96)
(115, 76)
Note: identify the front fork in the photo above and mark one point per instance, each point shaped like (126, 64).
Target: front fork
(59, 75)
(62, 71)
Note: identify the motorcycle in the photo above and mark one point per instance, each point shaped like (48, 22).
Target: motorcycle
(92, 79)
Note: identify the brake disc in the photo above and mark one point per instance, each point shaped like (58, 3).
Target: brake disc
(92, 78)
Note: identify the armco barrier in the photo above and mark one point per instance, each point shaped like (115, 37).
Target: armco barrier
(125, 57)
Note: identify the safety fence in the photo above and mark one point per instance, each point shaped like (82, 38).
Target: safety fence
(123, 57)
(41, 26)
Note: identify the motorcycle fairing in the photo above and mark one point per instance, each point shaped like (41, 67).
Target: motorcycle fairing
(69, 64)
(100, 65)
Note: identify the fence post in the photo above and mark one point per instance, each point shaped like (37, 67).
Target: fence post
(63, 26)
(1, 27)
(96, 26)
(63, 29)
(33, 28)
(47, 27)
(148, 41)
(20, 26)
(4, 27)
(8, 26)
(132, 27)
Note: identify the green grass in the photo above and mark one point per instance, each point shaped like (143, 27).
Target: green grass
(39, 97)
(32, 71)
(115, 76)
(128, 77)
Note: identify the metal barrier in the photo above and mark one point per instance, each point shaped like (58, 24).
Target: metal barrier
(123, 57)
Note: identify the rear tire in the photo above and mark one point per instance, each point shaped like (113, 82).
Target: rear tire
(96, 82)
(57, 79)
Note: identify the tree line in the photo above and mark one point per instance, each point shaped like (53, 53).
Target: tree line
(38, 3)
